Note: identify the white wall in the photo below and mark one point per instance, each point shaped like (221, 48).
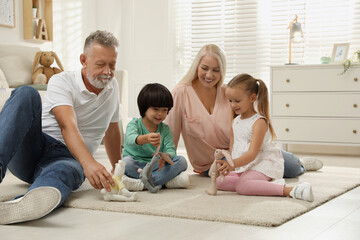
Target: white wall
(16, 35)
(147, 45)
(143, 28)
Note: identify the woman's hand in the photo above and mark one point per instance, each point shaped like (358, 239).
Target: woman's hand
(225, 167)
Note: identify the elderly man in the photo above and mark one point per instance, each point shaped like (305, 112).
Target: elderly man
(52, 148)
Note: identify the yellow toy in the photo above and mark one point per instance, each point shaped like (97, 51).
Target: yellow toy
(119, 192)
(42, 74)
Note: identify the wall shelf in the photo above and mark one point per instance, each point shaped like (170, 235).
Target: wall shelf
(44, 14)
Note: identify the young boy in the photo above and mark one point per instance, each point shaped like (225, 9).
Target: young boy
(144, 134)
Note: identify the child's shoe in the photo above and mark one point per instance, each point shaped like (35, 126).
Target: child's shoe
(302, 191)
(180, 181)
(33, 205)
(311, 164)
(132, 184)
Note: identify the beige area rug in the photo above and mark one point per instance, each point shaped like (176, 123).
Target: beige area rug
(193, 203)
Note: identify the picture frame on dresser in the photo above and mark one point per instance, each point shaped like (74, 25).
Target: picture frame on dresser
(340, 52)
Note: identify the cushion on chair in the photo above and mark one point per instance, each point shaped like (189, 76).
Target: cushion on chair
(17, 70)
(16, 63)
(3, 83)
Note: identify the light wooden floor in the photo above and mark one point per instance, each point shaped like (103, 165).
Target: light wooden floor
(337, 219)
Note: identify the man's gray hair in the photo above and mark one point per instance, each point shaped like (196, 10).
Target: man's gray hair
(104, 38)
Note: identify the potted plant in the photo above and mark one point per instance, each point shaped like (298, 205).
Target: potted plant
(348, 62)
(34, 11)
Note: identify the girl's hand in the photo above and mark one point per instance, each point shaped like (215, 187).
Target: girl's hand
(225, 167)
(154, 139)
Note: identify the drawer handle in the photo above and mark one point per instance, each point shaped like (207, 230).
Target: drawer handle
(287, 105)
(354, 131)
(355, 105)
(355, 79)
(287, 80)
(287, 130)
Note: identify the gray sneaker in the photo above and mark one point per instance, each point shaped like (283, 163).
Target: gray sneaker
(33, 205)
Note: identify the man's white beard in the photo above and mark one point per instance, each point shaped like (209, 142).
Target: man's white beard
(96, 82)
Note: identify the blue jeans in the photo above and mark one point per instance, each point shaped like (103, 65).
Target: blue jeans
(292, 165)
(30, 154)
(161, 177)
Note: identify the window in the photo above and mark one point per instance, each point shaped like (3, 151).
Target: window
(254, 33)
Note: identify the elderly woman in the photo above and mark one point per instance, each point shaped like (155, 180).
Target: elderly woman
(201, 113)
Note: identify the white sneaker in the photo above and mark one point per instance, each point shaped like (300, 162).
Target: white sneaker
(132, 184)
(33, 205)
(180, 181)
(311, 164)
(302, 191)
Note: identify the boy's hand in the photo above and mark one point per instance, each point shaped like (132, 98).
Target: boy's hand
(165, 157)
(154, 139)
(225, 167)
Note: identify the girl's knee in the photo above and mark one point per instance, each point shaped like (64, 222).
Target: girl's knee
(240, 188)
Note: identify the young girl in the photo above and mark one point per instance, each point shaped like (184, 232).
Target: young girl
(144, 134)
(257, 160)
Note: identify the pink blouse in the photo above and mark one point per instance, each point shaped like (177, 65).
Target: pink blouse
(202, 132)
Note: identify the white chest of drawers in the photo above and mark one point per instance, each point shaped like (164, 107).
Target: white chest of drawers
(313, 104)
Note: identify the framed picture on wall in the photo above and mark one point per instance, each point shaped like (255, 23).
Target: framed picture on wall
(340, 52)
(7, 13)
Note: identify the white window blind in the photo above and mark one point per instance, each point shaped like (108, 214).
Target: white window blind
(254, 33)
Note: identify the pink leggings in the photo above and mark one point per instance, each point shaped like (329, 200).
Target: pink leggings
(250, 182)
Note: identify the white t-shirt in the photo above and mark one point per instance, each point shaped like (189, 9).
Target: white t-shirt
(268, 161)
(93, 112)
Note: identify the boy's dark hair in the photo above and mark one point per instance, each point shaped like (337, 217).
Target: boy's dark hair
(154, 95)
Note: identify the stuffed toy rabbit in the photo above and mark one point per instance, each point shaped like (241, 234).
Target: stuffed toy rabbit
(42, 74)
(214, 173)
(146, 172)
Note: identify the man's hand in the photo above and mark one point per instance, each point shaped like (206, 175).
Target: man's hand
(98, 176)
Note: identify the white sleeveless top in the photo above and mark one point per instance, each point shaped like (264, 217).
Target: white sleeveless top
(268, 161)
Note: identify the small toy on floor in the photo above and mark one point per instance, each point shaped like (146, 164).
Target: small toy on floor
(119, 192)
(146, 172)
(214, 173)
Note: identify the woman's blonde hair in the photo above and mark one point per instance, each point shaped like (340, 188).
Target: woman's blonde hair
(257, 86)
(212, 50)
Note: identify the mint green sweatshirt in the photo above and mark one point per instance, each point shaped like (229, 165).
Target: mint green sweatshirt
(143, 153)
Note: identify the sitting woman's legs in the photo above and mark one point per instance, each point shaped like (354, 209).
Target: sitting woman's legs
(292, 165)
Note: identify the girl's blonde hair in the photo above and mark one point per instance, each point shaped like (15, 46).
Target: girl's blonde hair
(214, 51)
(257, 86)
